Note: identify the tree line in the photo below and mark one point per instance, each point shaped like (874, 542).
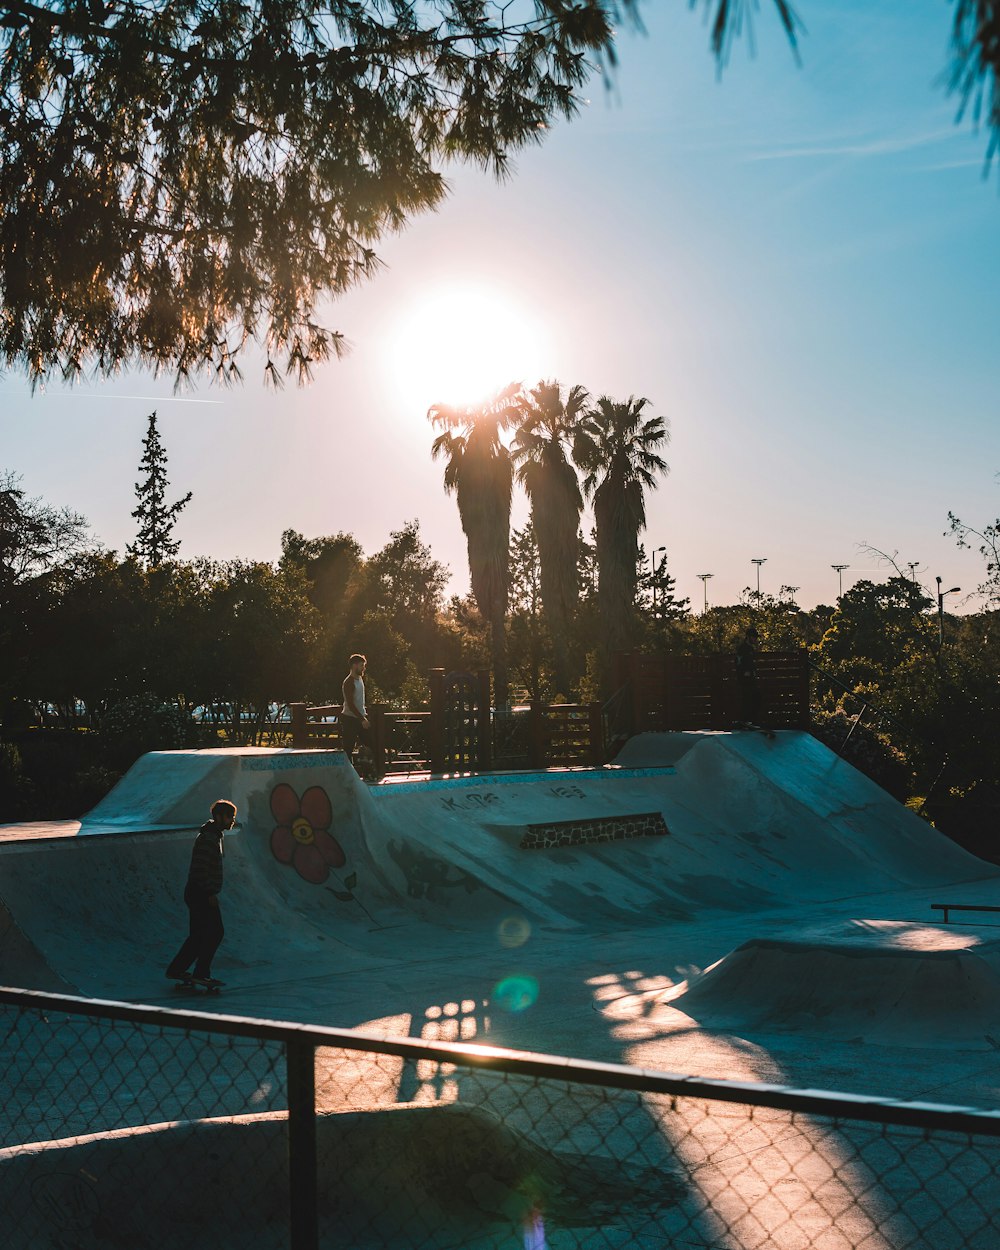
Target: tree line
(561, 449)
(121, 654)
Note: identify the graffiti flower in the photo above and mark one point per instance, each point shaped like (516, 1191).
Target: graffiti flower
(301, 836)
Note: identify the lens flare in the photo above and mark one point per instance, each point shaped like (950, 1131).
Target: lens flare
(534, 1231)
(516, 993)
(513, 931)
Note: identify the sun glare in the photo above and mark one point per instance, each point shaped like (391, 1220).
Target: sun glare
(459, 345)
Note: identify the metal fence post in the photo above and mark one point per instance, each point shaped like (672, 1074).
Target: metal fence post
(303, 1215)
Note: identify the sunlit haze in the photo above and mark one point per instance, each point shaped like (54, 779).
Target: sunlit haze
(797, 263)
(459, 344)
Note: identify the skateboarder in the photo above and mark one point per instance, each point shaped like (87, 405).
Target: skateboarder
(202, 897)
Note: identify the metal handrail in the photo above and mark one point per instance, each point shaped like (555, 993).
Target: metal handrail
(839, 1106)
(866, 704)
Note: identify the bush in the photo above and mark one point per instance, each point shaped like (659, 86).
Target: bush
(16, 790)
(141, 723)
(868, 751)
(51, 774)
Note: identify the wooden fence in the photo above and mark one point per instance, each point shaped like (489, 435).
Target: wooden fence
(702, 691)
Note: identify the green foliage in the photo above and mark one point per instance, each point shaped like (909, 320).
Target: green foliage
(259, 629)
(58, 774)
(33, 536)
(153, 543)
(329, 564)
(139, 723)
(478, 470)
(987, 540)
(529, 637)
(781, 625)
(220, 168)
(661, 614)
(869, 751)
(616, 447)
(11, 767)
(876, 627)
(180, 178)
(546, 424)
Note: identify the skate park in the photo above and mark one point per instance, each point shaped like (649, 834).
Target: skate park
(719, 906)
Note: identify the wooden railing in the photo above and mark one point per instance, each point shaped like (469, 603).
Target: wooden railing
(558, 736)
(400, 739)
(564, 735)
(662, 692)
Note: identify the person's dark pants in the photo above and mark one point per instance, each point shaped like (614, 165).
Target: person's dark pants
(351, 733)
(750, 701)
(204, 935)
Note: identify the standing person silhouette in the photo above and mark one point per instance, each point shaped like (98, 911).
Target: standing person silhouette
(749, 682)
(202, 897)
(354, 726)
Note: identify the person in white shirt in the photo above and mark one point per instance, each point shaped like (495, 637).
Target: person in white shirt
(354, 716)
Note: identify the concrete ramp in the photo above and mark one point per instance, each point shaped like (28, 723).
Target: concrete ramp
(746, 824)
(166, 789)
(105, 912)
(683, 827)
(887, 982)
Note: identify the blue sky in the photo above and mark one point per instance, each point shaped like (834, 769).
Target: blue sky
(797, 264)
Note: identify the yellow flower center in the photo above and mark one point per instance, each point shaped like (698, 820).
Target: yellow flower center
(302, 831)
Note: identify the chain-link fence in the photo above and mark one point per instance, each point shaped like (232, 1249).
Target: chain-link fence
(137, 1127)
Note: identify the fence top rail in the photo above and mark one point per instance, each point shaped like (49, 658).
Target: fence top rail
(826, 1103)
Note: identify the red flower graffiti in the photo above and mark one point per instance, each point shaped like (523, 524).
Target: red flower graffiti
(301, 836)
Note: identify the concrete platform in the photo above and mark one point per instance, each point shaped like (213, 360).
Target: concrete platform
(430, 905)
(715, 904)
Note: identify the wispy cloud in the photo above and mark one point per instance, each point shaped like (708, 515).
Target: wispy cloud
(888, 145)
(980, 163)
(104, 397)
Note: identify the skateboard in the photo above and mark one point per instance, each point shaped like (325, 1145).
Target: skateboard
(188, 984)
(746, 725)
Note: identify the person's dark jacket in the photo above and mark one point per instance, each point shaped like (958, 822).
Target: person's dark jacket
(746, 661)
(205, 875)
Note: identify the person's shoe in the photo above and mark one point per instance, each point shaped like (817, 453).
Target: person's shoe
(208, 982)
(173, 975)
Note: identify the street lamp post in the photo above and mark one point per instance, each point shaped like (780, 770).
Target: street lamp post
(704, 582)
(839, 570)
(912, 566)
(940, 596)
(653, 561)
(758, 560)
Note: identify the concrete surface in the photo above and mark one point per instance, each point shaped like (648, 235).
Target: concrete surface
(779, 931)
(432, 903)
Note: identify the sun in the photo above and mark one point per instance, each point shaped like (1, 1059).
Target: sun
(460, 344)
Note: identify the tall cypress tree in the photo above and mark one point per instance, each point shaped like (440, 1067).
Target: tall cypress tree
(153, 543)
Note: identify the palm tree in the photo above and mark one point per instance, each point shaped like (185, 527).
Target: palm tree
(480, 473)
(546, 424)
(615, 448)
